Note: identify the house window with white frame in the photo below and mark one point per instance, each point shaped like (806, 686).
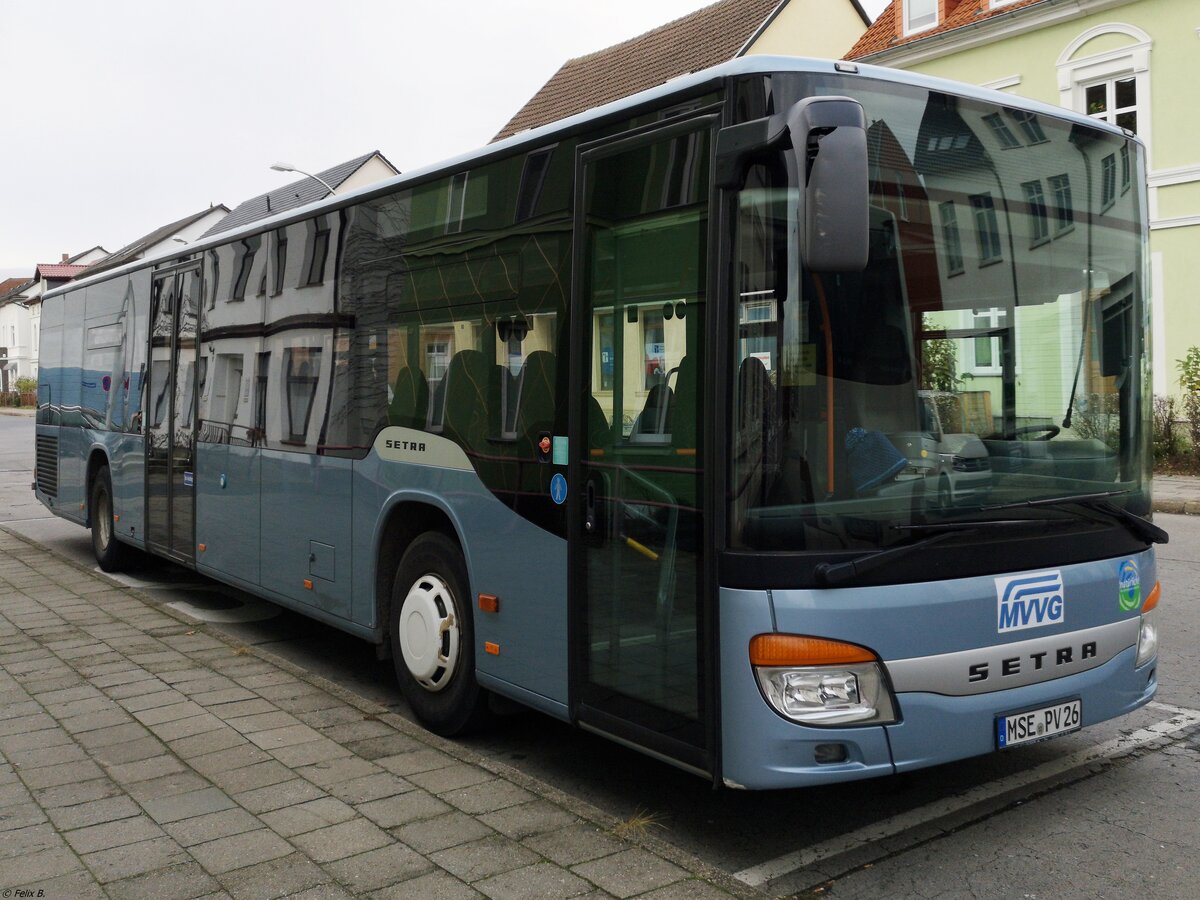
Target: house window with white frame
(1112, 85)
(1114, 100)
(985, 355)
(920, 15)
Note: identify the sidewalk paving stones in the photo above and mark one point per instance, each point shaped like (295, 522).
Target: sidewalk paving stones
(143, 756)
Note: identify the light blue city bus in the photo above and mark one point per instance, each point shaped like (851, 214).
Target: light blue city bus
(788, 422)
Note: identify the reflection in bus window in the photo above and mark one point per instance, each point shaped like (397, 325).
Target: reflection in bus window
(303, 367)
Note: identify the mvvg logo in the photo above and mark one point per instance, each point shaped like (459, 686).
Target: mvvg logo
(1029, 601)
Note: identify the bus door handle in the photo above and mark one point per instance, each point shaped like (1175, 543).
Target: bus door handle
(589, 507)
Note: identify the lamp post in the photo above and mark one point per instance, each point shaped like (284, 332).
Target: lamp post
(284, 167)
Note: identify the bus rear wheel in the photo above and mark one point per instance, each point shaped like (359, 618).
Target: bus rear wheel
(433, 637)
(110, 553)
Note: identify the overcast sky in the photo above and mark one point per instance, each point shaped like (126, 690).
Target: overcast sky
(119, 117)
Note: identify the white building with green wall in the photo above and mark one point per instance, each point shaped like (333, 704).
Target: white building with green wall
(1132, 62)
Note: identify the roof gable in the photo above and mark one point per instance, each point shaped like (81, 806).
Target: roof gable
(709, 36)
(136, 249)
(887, 31)
(290, 196)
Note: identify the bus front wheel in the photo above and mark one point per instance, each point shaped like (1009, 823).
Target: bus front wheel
(111, 554)
(433, 637)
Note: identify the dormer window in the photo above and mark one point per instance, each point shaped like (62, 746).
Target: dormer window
(919, 15)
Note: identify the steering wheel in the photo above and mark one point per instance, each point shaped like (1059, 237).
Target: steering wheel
(1047, 432)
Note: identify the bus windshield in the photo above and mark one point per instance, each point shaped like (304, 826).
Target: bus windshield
(991, 353)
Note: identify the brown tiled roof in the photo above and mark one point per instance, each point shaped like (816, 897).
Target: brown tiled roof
(696, 41)
(886, 32)
(58, 271)
(8, 285)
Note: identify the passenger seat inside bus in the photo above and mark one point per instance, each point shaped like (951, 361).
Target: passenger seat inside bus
(410, 399)
(465, 417)
(653, 424)
(535, 398)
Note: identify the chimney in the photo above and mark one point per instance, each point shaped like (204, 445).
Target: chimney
(66, 257)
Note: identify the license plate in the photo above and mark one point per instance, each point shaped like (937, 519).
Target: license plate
(1038, 724)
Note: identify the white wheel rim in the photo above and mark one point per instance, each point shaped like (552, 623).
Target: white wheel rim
(429, 634)
(103, 520)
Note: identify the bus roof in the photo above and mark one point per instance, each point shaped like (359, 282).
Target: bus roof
(684, 84)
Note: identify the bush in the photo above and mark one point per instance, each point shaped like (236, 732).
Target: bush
(1189, 380)
(27, 385)
(1168, 441)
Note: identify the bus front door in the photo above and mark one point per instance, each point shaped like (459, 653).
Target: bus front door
(640, 628)
(170, 431)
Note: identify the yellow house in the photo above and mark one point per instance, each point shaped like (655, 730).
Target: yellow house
(1133, 63)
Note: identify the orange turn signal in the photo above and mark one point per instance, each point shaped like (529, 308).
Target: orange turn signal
(1152, 600)
(493, 649)
(489, 603)
(308, 584)
(781, 650)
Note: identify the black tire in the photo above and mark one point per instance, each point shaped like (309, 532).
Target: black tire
(111, 554)
(433, 637)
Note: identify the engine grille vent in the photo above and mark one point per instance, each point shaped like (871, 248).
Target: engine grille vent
(47, 464)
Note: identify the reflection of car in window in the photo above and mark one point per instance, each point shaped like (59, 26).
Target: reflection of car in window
(955, 465)
(964, 471)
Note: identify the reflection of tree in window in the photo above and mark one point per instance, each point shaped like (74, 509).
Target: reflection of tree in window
(303, 368)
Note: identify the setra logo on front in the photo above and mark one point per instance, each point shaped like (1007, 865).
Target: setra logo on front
(1030, 600)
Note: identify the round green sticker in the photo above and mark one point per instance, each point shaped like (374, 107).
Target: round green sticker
(1129, 586)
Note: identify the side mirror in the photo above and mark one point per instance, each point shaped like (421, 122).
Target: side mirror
(829, 144)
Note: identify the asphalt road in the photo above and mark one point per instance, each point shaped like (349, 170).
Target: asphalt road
(1109, 811)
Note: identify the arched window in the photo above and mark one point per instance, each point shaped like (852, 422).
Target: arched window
(1112, 85)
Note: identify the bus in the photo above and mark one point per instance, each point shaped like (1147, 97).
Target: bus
(788, 422)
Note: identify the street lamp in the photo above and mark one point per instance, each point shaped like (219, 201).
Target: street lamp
(284, 167)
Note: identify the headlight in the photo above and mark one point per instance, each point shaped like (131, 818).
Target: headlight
(815, 681)
(828, 695)
(1147, 640)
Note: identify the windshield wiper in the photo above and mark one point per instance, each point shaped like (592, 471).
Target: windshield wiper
(1147, 531)
(1099, 502)
(838, 573)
